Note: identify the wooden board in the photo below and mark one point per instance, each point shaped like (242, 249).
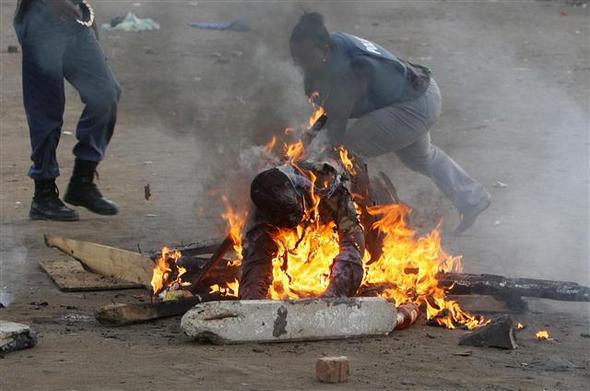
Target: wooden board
(70, 276)
(108, 261)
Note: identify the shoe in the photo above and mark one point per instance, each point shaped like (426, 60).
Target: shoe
(468, 217)
(82, 190)
(46, 204)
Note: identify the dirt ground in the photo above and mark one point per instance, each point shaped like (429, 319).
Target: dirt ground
(515, 82)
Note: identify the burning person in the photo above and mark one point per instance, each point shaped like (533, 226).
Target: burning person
(286, 197)
(59, 41)
(395, 104)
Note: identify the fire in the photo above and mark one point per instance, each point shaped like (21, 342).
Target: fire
(228, 289)
(166, 272)
(318, 110)
(235, 225)
(520, 326)
(346, 160)
(407, 271)
(543, 335)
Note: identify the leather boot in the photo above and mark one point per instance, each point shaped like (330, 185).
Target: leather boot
(46, 204)
(82, 190)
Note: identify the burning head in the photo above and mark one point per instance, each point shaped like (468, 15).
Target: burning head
(277, 199)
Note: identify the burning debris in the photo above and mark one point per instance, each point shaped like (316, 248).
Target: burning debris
(543, 335)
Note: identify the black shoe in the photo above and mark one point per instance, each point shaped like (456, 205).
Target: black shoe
(46, 204)
(82, 190)
(468, 217)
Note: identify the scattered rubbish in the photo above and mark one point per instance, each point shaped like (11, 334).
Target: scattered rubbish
(151, 215)
(193, 3)
(16, 336)
(131, 23)
(197, 78)
(237, 53)
(147, 162)
(497, 334)
(2, 306)
(332, 369)
(137, 4)
(147, 192)
(585, 335)
(563, 13)
(501, 185)
(67, 133)
(497, 222)
(149, 50)
(240, 24)
(12, 49)
(520, 326)
(465, 353)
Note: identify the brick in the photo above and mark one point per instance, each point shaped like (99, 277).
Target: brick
(332, 369)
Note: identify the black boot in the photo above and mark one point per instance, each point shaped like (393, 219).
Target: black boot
(82, 190)
(46, 204)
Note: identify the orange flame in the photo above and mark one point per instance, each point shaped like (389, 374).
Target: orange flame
(228, 289)
(543, 335)
(235, 225)
(408, 266)
(318, 110)
(166, 272)
(346, 160)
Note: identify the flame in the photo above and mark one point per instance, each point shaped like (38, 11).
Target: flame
(270, 146)
(318, 110)
(408, 267)
(346, 161)
(235, 225)
(543, 335)
(407, 271)
(228, 289)
(166, 272)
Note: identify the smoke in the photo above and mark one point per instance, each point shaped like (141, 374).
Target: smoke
(12, 266)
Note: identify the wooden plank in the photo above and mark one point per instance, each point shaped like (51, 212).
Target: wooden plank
(69, 276)
(108, 261)
(119, 314)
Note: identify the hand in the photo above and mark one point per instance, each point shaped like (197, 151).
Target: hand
(65, 10)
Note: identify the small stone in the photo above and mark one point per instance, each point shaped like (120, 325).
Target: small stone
(332, 369)
(16, 336)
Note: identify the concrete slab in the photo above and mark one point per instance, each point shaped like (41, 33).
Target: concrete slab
(16, 336)
(241, 321)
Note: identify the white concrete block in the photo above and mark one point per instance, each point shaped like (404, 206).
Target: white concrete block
(16, 336)
(241, 321)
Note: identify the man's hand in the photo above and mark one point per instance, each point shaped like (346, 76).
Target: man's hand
(65, 10)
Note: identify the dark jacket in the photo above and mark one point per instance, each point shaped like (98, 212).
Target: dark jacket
(366, 73)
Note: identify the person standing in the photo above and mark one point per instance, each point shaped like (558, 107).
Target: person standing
(59, 41)
(394, 102)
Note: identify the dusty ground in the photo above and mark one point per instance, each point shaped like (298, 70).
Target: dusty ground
(515, 78)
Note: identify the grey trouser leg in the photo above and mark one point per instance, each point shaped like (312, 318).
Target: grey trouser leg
(404, 129)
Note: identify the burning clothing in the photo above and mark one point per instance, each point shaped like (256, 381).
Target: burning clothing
(53, 50)
(283, 197)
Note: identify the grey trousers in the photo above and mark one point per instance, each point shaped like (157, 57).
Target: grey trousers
(404, 129)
